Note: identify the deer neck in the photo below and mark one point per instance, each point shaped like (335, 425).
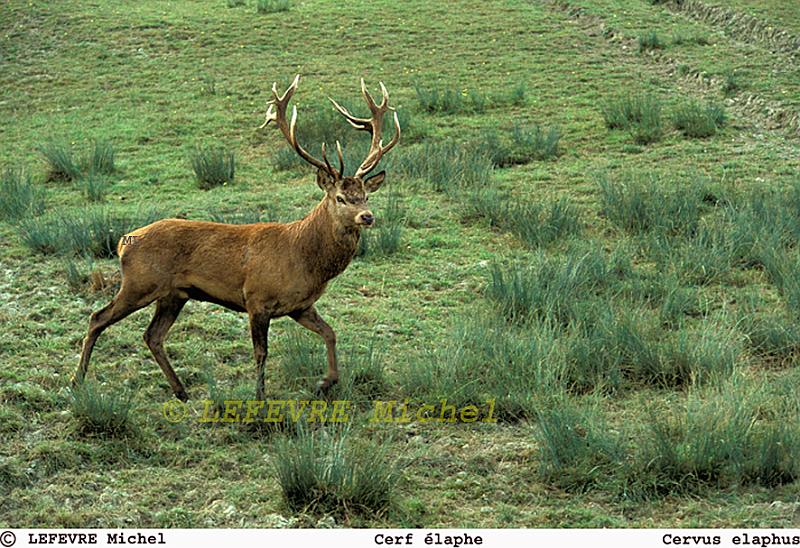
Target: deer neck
(329, 246)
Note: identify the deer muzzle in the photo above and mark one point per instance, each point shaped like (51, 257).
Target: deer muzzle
(365, 218)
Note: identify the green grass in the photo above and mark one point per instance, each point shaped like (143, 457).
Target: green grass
(696, 120)
(650, 41)
(638, 340)
(644, 202)
(485, 361)
(272, 6)
(550, 288)
(386, 238)
(447, 166)
(100, 159)
(449, 101)
(639, 114)
(60, 160)
(98, 413)
(325, 472)
(92, 231)
(536, 224)
(577, 449)
(213, 166)
(523, 145)
(94, 187)
(20, 198)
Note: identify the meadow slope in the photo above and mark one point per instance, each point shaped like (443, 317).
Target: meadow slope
(592, 221)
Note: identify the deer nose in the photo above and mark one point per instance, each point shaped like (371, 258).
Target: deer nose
(367, 218)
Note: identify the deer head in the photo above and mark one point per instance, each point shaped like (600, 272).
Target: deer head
(346, 197)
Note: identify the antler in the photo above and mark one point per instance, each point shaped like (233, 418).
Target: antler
(276, 111)
(374, 126)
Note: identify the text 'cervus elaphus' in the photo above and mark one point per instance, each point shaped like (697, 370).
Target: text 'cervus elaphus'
(268, 270)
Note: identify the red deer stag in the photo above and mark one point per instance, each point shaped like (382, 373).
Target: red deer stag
(268, 270)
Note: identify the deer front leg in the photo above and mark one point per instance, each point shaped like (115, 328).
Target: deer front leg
(259, 329)
(311, 320)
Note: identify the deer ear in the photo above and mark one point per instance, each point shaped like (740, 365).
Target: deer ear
(374, 183)
(325, 180)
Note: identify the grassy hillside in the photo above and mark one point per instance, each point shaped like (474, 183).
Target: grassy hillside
(591, 220)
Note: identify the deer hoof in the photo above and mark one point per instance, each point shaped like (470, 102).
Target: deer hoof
(324, 385)
(182, 395)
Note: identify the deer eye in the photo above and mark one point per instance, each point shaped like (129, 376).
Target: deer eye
(340, 199)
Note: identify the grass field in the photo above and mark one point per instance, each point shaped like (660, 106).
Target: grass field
(601, 245)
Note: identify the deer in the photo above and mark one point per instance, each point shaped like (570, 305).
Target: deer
(267, 270)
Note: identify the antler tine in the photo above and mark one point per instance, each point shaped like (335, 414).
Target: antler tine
(378, 150)
(385, 93)
(358, 123)
(341, 157)
(367, 97)
(276, 112)
(270, 116)
(325, 159)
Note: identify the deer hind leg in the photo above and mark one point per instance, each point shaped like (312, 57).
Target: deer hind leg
(122, 305)
(167, 311)
(259, 330)
(311, 320)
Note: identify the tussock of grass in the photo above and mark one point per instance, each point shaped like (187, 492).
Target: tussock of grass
(77, 277)
(94, 187)
(536, 224)
(303, 363)
(365, 380)
(63, 165)
(100, 159)
(302, 358)
(325, 472)
(609, 347)
(639, 202)
(783, 272)
(707, 257)
(773, 335)
(639, 114)
(524, 144)
(447, 165)
(272, 6)
(213, 166)
(13, 473)
(89, 232)
(448, 100)
(60, 160)
(679, 39)
(696, 120)
(732, 83)
(484, 359)
(578, 450)
(550, 288)
(650, 41)
(720, 441)
(19, 197)
(98, 413)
